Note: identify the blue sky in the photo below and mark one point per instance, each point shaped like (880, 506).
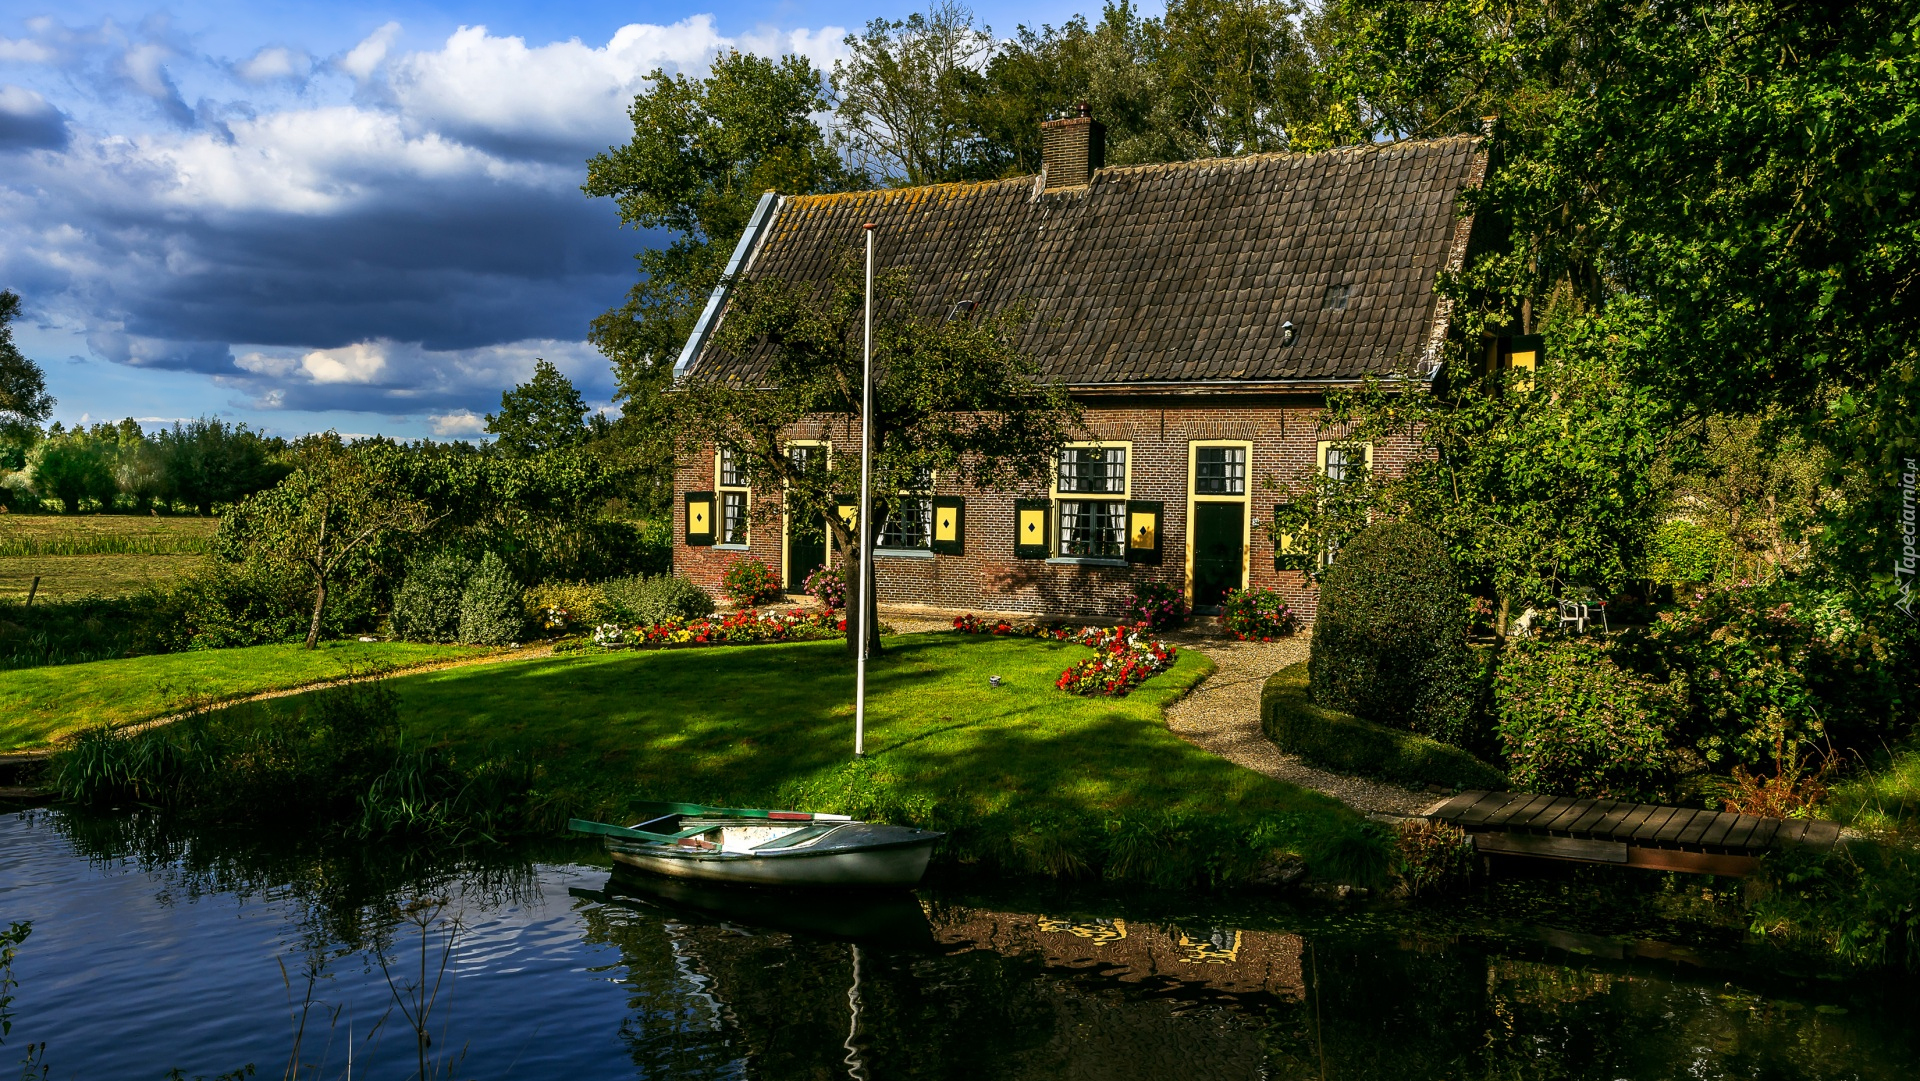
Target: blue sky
(358, 216)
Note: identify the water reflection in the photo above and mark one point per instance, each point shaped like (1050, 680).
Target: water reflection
(174, 943)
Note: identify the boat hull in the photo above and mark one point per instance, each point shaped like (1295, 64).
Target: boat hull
(895, 865)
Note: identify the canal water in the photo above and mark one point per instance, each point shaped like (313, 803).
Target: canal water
(150, 952)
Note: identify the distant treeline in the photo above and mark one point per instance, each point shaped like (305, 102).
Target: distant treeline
(192, 467)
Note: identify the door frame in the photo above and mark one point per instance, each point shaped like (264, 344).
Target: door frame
(1245, 499)
(786, 515)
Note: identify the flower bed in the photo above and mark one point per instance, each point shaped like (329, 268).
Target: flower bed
(736, 629)
(1258, 615)
(1124, 656)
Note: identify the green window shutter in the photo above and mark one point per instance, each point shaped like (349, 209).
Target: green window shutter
(949, 525)
(1144, 537)
(701, 509)
(1032, 528)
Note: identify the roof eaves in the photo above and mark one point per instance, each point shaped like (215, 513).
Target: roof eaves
(742, 257)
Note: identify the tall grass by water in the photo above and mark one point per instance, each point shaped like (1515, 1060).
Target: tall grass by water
(335, 761)
(103, 534)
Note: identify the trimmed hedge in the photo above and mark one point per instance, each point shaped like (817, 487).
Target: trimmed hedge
(1348, 744)
(1390, 636)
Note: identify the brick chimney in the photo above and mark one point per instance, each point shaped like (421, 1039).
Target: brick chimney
(1071, 150)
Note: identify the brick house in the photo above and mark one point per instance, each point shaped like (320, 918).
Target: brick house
(1199, 312)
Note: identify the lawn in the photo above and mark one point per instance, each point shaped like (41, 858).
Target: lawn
(39, 705)
(1023, 774)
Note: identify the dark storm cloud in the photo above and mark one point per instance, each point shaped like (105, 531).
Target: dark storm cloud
(29, 122)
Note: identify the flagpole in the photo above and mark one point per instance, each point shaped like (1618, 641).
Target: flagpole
(866, 510)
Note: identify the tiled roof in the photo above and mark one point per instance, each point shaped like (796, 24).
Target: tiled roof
(1171, 273)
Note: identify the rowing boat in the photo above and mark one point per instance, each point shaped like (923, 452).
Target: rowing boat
(765, 848)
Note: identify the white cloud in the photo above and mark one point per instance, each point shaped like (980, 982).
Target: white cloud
(361, 362)
(466, 422)
(365, 58)
(274, 64)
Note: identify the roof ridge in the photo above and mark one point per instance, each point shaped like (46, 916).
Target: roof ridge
(1026, 179)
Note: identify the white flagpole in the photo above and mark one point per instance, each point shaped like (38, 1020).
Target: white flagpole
(866, 510)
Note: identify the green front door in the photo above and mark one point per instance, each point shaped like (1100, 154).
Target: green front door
(1218, 540)
(806, 548)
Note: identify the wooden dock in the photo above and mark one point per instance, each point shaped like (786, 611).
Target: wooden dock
(1646, 835)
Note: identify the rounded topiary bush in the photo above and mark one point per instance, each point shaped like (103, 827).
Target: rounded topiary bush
(491, 611)
(426, 607)
(657, 599)
(1390, 639)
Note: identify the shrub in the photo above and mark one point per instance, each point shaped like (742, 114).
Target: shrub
(490, 611)
(1434, 856)
(1258, 615)
(254, 602)
(559, 607)
(1158, 605)
(1390, 639)
(1348, 744)
(1782, 664)
(1683, 552)
(828, 586)
(659, 599)
(1854, 902)
(1573, 722)
(426, 607)
(749, 582)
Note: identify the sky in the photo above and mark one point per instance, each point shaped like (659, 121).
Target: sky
(363, 217)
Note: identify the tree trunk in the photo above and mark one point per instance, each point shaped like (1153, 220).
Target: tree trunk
(850, 570)
(319, 602)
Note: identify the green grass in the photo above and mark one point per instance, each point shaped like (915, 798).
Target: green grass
(1025, 776)
(41, 705)
(1883, 801)
(103, 534)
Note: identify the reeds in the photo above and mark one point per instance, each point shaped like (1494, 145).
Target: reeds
(336, 761)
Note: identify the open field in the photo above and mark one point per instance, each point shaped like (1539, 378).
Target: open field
(39, 705)
(69, 577)
(103, 534)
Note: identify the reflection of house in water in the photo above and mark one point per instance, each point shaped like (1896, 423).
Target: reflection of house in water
(1109, 1000)
(1236, 962)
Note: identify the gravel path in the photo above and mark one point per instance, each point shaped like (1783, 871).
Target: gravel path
(1222, 715)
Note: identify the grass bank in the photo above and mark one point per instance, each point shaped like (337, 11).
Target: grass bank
(1023, 777)
(72, 577)
(1348, 744)
(41, 705)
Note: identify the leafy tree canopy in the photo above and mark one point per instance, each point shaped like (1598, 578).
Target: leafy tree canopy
(23, 386)
(544, 413)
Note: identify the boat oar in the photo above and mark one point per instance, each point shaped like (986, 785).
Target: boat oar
(696, 810)
(581, 825)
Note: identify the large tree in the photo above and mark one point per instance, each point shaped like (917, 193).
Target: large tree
(953, 400)
(330, 517)
(904, 90)
(702, 153)
(23, 386)
(542, 414)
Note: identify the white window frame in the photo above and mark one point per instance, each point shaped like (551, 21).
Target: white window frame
(1366, 462)
(925, 549)
(1060, 499)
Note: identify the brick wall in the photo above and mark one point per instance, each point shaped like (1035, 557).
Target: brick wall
(1285, 436)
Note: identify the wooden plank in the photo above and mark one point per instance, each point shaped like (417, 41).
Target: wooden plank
(1653, 823)
(1448, 810)
(1763, 834)
(1791, 832)
(1554, 848)
(1611, 825)
(1632, 823)
(1473, 812)
(1697, 828)
(1594, 814)
(1822, 834)
(1723, 824)
(1500, 816)
(1479, 813)
(1699, 863)
(1737, 836)
(1523, 813)
(1670, 833)
(1571, 810)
